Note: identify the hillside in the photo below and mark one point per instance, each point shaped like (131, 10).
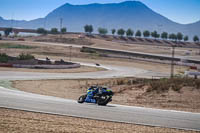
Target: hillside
(130, 14)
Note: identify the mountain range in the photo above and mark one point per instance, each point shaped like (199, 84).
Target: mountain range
(129, 14)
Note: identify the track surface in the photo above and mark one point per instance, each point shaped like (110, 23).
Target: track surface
(117, 113)
(113, 71)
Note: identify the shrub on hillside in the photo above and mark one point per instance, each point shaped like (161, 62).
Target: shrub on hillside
(88, 50)
(175, 84)
(4, 58)
(197, 84)
(23, 56)
(159, 86)
(41, 31)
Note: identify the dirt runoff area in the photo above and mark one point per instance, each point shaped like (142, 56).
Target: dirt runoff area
(16, 121)
(128, 91)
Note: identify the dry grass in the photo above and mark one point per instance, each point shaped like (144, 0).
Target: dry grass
(16, 121)
(63, 52)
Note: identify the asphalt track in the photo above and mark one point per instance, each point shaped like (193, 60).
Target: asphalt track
(112, 71)
(117, 113)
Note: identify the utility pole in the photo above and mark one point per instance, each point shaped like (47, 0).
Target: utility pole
(172, 61)
(61, 21)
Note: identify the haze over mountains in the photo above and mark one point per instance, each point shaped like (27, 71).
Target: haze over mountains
(129, 14)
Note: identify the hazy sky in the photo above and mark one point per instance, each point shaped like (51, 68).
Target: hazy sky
(181, 11)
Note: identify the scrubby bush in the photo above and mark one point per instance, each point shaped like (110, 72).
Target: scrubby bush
(54, 31)
(15, 46)
(121, 32)
(88, 28)
(155, 34)
(4, 58)
(175, 84)
(197, 84)
(113, 31)
(176, 87)
(146, 33)
(88, 50)
(186, 38)
(23, 56)
(8, 31)
(159, 86)
(63, 30)
(41, 31)
(138, 33)
(102, 31)
(120, 82)
(129, 32)
(196, 39)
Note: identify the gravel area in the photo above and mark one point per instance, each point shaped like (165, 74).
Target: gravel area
(15, 121)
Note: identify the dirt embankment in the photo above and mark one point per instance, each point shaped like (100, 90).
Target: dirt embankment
(64, 39)
(27, 122)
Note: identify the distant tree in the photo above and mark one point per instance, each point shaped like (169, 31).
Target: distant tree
(155, 34)
(8, 31)
(102, 31)
(146, 33)
(54, 31)
(121, 32)
(179, 36)
(63, 30)
(113, 31)
(196, 39)
(138, 33)
(173, 37)
(88, 28)
(129, 32)
(164, 35)
(186, 38)
(41, 31)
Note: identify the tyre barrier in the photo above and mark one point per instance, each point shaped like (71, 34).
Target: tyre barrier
(5, 65)
(47, 66)
(135, 54)
(41, 66)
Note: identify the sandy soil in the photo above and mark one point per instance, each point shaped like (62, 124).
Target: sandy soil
(133, 95)
(63, 52)
(59, 53)
(144, 48)
(43, 49)
(156, 67)
(16, 121)
(103, 43)
(72, 70)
